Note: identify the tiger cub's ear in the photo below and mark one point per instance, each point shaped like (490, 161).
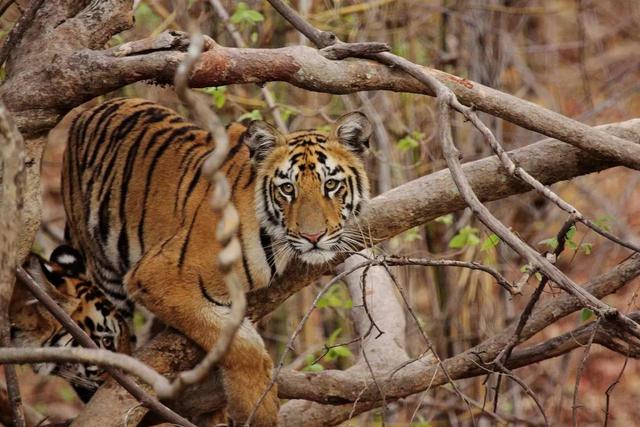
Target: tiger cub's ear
(353, 130)
(69, 260)
(261, 138)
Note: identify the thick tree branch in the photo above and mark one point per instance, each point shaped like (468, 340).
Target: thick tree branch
(12, 180)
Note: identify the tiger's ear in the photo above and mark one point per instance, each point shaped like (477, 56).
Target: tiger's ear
(261, 138)
(353, 130)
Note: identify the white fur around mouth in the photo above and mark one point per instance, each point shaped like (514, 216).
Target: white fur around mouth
(317, 256)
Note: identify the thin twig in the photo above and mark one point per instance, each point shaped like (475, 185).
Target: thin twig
(587, 349)
(18, 29)
(503, 356)
(92, 356)
(373, 377)
(5, 5)
(522, 174)
(610, 391)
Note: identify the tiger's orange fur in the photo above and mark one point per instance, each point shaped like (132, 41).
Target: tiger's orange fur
(138, 207)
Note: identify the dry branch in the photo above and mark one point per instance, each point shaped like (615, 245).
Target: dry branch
(382, 351)
(337, 386)
(12, 180)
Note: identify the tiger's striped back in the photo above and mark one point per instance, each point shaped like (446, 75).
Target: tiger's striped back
(120, 156)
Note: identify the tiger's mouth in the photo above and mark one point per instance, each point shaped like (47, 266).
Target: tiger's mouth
(316, 253)
(317, 256)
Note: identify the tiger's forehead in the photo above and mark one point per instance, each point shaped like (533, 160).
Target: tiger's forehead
(306, 138)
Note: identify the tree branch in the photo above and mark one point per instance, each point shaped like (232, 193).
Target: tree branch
(339, 387)
(12, 182)
(18, 29)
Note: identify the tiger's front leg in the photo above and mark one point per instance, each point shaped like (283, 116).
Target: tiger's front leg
(176, 293)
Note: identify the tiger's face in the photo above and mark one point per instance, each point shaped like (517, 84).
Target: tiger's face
(309, 184)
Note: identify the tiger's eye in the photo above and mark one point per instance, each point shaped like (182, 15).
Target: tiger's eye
(331, 184)
(287, 188)
(107, 342)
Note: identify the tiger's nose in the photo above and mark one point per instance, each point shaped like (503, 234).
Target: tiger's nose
(313, 237)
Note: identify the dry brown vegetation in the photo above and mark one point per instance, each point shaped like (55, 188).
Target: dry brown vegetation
(577, 57)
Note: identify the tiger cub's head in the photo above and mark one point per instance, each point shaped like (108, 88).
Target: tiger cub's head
(63, 278)
(309, 184)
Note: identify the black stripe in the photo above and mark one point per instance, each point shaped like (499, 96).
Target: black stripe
(185, 242)
(103, 218)
(123, 247)
(100, 129)
(104, 124)
(157, 134)
(245, 263)
(265, 194)
(194, 180)
(265, 242)
(110, 153)
(233, 151)
(88, 117)
(208, 297)
(185, 167)
(236, 181)
(358, 179)
(252, 177)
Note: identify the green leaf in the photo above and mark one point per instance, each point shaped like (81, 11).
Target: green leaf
(571, 232)
(254, 16)
(334, 335)
(552, 243)
(336, 297)
(342, 351)
(586, 248)
(411, 235)
(67, 394)
(604, 222)
(490, 242)
(244, 15)
(585, 314)
(458, 241)
(218, 94)
(407, 143)
(445, 219)
(252, 115)
(472, 239)
(316, 367)
(467, 236)
(572, 245)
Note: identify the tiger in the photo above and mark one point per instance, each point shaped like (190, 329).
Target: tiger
(137, 206)
(63, 278)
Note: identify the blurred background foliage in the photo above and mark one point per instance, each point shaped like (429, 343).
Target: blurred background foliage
(577, 57)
